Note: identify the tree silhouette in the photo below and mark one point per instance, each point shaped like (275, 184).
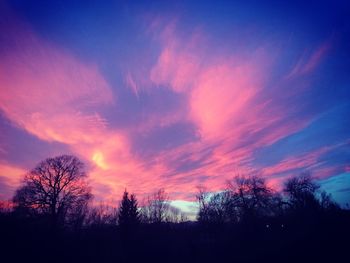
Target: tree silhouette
(301, 191)
(215, 208)
(56, 187)
(203, 204)
(128, 211)
(156, 207)
(246, 198)
(327, 203)
(251, 197)
(102, 215)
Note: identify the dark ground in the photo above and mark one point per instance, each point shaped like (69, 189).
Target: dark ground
(319, 239)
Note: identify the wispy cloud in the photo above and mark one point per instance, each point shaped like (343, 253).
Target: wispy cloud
(311, 59)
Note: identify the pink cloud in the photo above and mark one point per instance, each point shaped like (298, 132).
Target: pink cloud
(43, 89)
(226, 103)
(177, 64)
(303, 161)
(12, 173)
(10, 178)
(221, 97)
(219, 89)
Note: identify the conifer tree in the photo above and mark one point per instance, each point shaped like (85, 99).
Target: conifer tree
(128, 211)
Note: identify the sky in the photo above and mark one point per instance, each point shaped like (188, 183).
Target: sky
(176, 94)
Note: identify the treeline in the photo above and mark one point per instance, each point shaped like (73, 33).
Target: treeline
(51, 217)
(57, 193)
(156, 208)
(247, 199)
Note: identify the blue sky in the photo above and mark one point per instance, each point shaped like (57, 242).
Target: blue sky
(176, 94)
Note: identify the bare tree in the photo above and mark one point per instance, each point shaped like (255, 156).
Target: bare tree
(156, 207)
(251, 197)
(301, 191)
(102, 215)
(183, 217)
(203, 199)
(173, 215)
(245, 198)
(56, 187)
(327, 203)
(215, 207)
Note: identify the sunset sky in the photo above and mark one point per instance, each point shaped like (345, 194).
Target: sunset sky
(176, 94)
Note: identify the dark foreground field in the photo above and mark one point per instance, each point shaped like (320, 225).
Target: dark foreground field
(322, 238)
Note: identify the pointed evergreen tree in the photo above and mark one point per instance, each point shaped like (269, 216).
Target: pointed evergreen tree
(134, 215)
(128, 211)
